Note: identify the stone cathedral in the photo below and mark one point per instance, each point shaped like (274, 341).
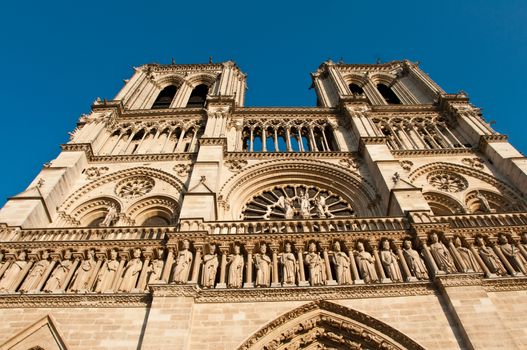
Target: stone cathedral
(390, 216)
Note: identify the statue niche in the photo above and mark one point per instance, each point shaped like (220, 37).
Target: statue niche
(296, 202)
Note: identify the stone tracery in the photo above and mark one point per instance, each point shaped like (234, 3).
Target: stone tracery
(296, 201)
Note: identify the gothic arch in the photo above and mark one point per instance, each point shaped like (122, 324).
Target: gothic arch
(201, 78)
(351, 187)
(119, 175)
(94, 209)
(496, 202)
(387, 79)
(506, 190)
(163, 207)
(354, 78)
(325, 323)
(443, 204)
(171, 79)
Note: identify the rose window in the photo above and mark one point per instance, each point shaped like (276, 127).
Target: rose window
(133, 187)
(448, 182)
(295, 202)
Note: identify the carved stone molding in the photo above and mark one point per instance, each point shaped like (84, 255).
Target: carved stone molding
(94, 172)
(292, 293)
(505, 284)
(235, 165)
(288, 155)
(459, 280)
(182, 169)
(91, 300)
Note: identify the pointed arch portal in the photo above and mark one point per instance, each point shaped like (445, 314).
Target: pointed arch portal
(325, 325)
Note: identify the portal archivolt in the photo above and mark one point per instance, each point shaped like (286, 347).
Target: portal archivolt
(325, 325)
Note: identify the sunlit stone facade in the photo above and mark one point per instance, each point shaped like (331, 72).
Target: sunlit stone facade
(389, 216)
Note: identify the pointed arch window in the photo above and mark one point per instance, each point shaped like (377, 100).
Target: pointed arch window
(165, 97)
(198, 96)
(389, 96)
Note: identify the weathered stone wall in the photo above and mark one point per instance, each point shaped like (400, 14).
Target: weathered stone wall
(82, 328)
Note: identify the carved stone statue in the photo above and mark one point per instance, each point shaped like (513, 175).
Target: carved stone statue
(262, 263)
(489, 258)
(155, 270)
(341, 261)
(107, 274)
(286, 204)
(35, 275)
(82, 275)
(305, 207)
(441, 255)
(183, 264)
(210, 267)
(110, 216)
(289, 267)
(321, 207)
(512, 254)
(317, 271)
(390, 263)
(11, 274)
(466, 255)
(365, 263)
(236, 262)
(414, 261)
(484, 203)
(131, 272)
(56, 281)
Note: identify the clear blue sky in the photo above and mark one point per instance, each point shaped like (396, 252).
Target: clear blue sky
(58, 56)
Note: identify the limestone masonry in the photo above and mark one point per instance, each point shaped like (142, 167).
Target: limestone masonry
(389, 216)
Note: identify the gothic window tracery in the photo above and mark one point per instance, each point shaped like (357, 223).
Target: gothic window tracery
(296, 202)
(418, 133)
(148, 138)
(295, 136)
(135, 186)
(447, 182)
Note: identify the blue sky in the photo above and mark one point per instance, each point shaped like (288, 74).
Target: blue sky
(57, 56)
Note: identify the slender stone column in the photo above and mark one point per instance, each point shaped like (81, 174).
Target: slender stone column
(249, 270)
(302, 275)
(197, 263)
(406, 269)
(56, 258)
(459, 262)
(275, 282)
(4, 267)
(353, 265)
(23, 273)
(504, 259)
(69, 276)
(480, 262)
(124, 256)
(329, 275)
(100, 259)
(378, 264)
(223, 268)
(141, 283)
(168, 265)
(432, 266)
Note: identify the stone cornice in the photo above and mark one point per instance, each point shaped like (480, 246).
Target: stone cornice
(91, 300)
(432, 152)
(86, 147)
(289, 155)
(243, 111)
(292, 293)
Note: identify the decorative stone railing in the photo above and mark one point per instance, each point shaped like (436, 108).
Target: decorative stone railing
(85, 234)
(297, 226)
(482, 220)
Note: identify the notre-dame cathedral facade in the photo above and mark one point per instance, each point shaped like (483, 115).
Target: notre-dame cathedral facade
(389, 216)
